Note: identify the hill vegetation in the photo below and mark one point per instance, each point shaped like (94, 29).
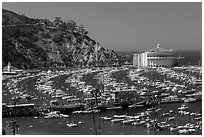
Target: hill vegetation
(39, 43)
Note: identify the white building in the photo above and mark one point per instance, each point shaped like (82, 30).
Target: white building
(157, 57)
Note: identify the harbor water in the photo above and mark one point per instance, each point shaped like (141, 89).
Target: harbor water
(41, 126)
(92, 124)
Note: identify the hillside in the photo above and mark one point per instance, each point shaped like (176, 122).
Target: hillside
(39, 43)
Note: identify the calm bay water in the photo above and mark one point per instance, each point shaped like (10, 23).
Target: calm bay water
(41, 126)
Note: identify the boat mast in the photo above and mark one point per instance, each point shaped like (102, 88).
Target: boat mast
(163, 77)
(154, 107)
(96, 94)
(12, 123)
(93, 117)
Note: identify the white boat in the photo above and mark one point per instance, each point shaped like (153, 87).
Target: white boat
(112, 108)
(106, 118)
(189, 100)
(64, 116)
(72, 124)
(192, 130)
(170, 111)
(183, 108)
(53, 114)
(158, 109)
(119, 116)
(138, 123)
(183, 131)
(164, 95)
(117, 120)
(171, 129)
(197, 82)
(170, 118)
(186, 113)
(164, 126)
(135, 106)
(137, 116)
(128, 121)
(198, 114)
(48, 117)
(198, 118)
(77, 112)
(80, 122)
(165, 114)
(170, 100)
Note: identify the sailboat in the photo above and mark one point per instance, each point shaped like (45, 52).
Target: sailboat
(9, 70)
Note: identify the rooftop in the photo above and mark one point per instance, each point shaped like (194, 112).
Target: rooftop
(158, 49)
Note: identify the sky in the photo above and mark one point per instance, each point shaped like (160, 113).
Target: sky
(127, 26)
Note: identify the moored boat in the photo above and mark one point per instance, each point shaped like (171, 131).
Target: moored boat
(138, 123)
(64, 116)
(106, 118)
(128, 121)
(113, 108)
(170, 100)
(117, 120)
(72, 124)
(170, 118)
(189, 100)
(119, 116)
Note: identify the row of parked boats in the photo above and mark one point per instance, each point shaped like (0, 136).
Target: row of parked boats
(178, 73)
(148, 120)
(169, 90)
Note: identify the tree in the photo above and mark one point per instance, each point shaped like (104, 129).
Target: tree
(82, 30)
(71, 26)
(58, 21)
(63, 26)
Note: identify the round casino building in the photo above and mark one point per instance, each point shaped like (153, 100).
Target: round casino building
(157, 57)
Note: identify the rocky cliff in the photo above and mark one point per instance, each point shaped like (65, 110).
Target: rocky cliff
(40, 43)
